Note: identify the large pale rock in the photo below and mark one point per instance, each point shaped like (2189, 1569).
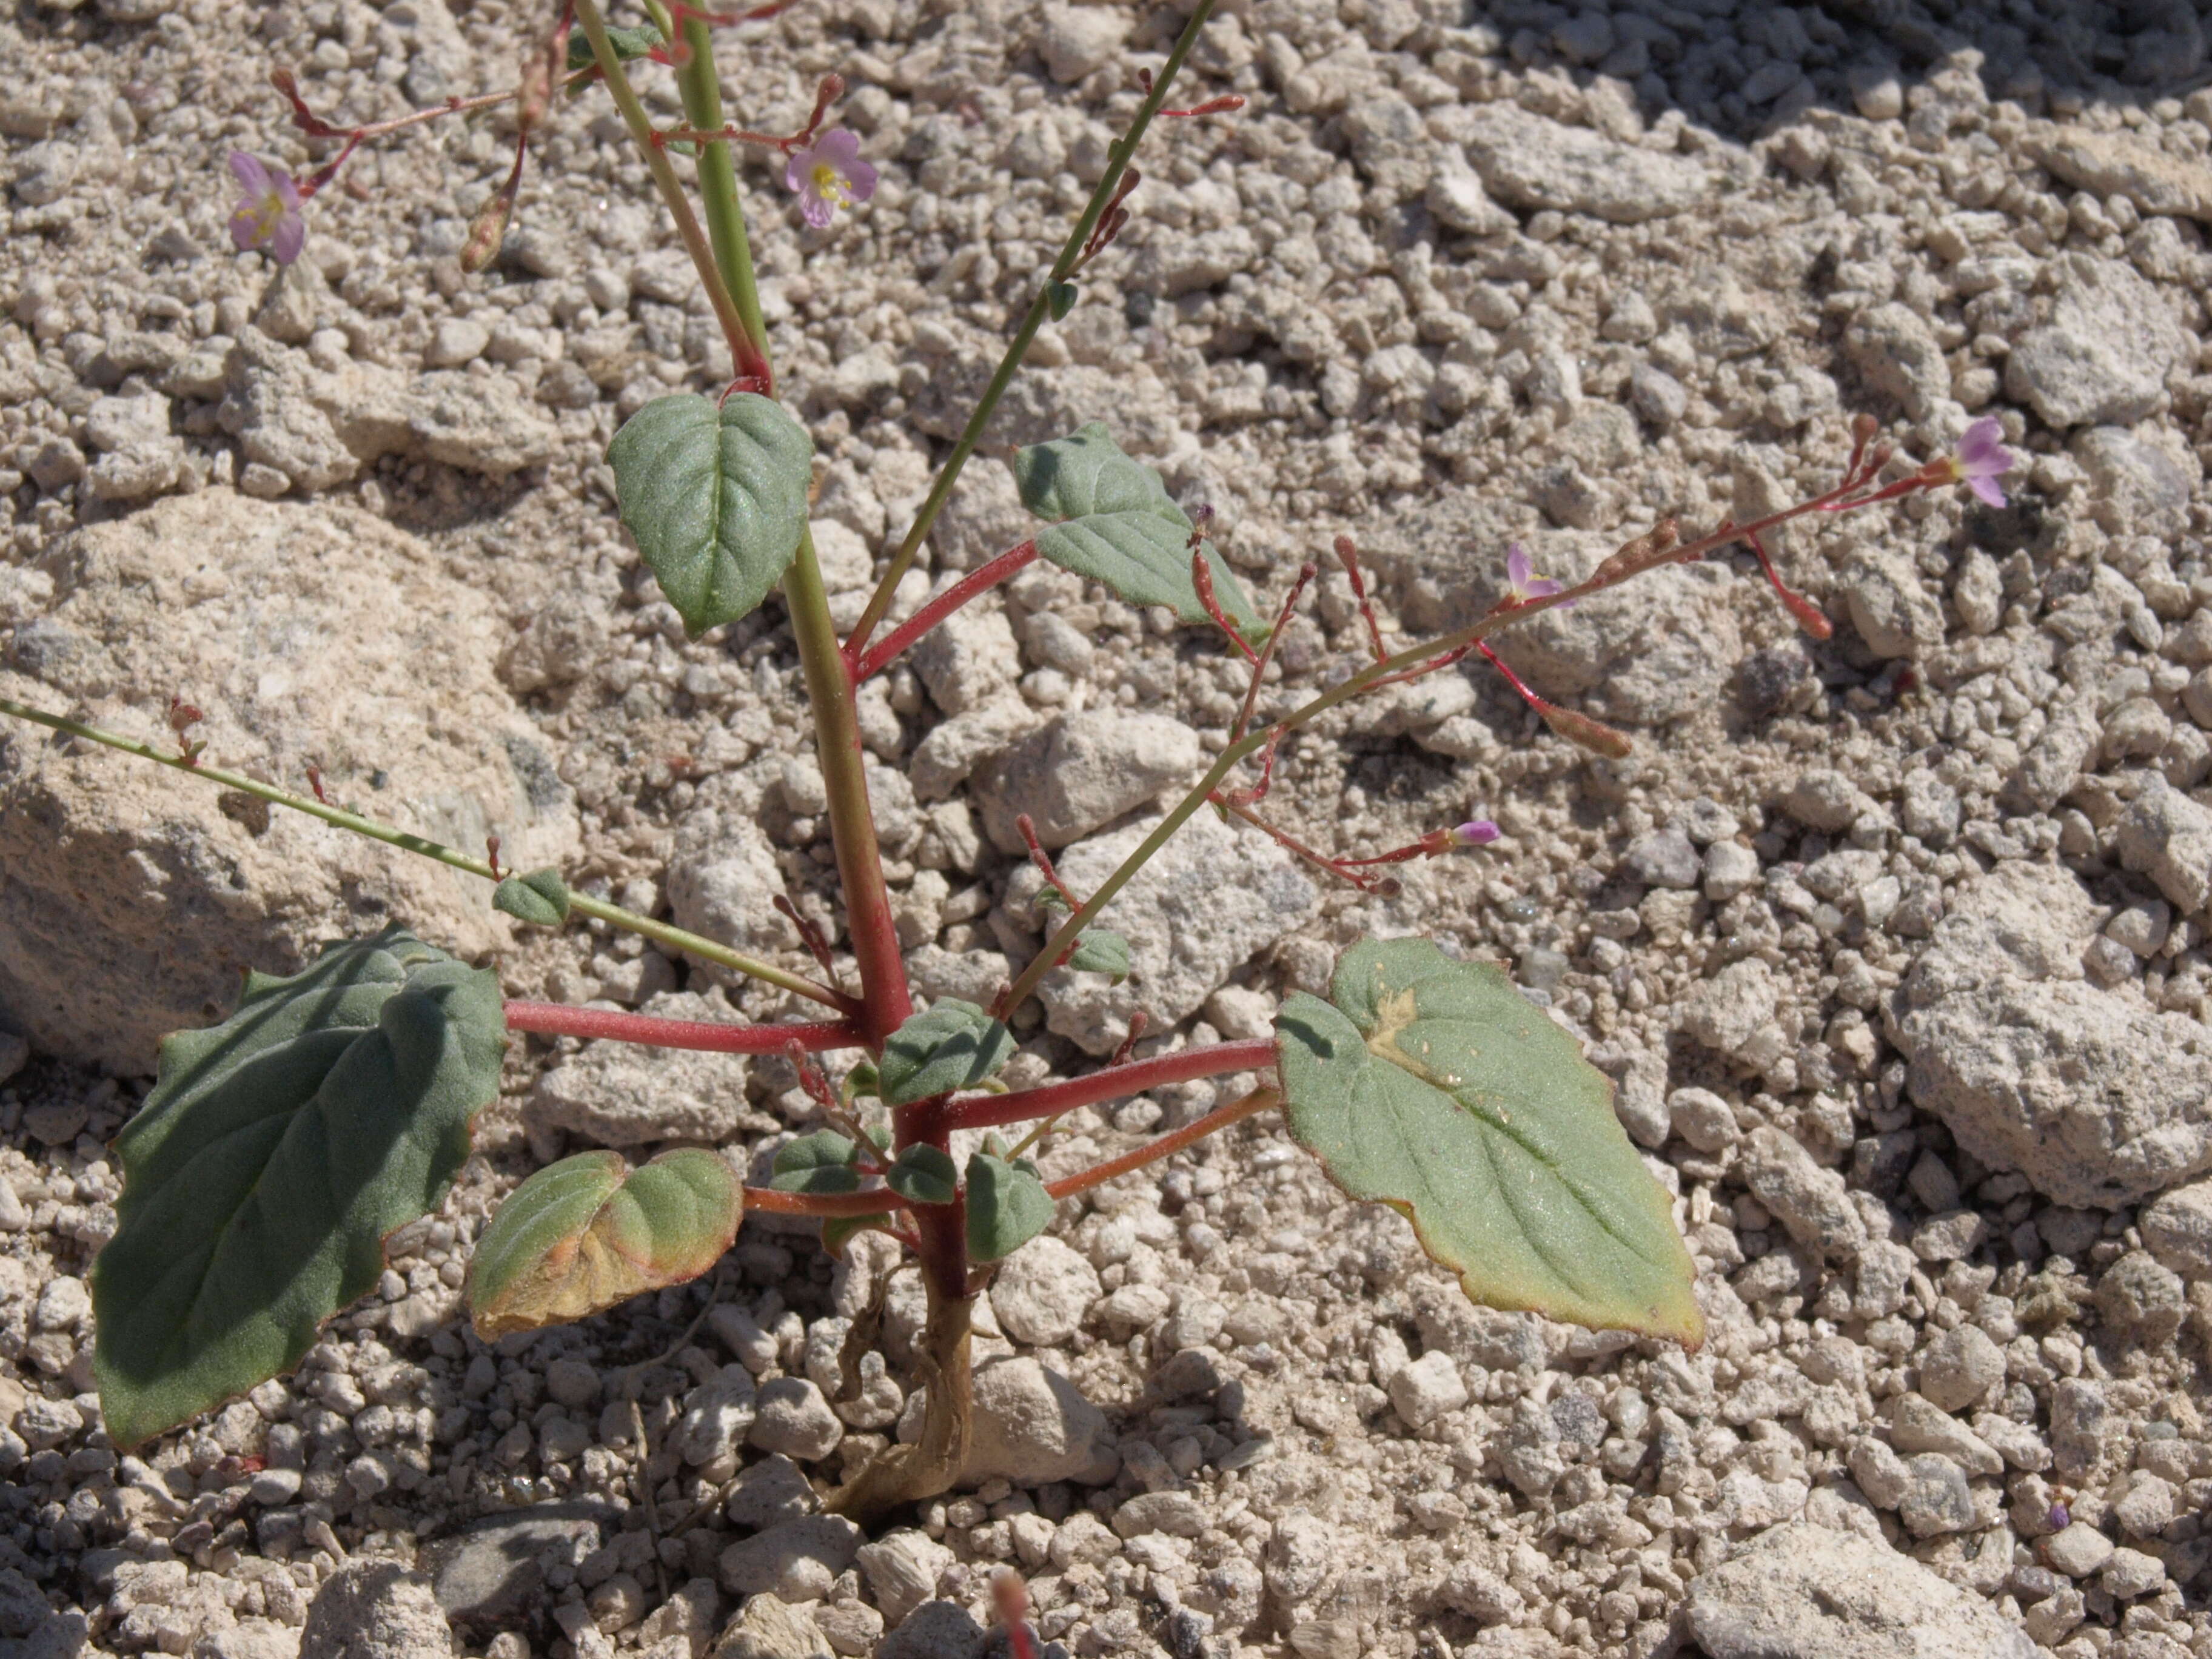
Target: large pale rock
(2104, 354)
(131, 898)
(1031, 1425)
(1803, 1592)
(320, 427)
(1535, 163)
(1080, 773)
(2094, 1096)
(2109, 164)
(619, 1094)
(1213, 897)
(375, 1610)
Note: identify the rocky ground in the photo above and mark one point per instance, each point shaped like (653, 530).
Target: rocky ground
(1896, 945)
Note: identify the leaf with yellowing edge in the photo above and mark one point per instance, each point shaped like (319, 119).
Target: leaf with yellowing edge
(588, 1232)
(1434, 1086)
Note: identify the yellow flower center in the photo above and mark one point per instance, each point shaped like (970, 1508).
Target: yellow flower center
(829, 185)
(268, 213)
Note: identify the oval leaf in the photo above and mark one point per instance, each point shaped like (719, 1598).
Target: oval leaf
(1435, 1087)
(924, 1175)
(540, 898)
(716, 498)
(956, 1045)
(584, 1234)
(1114, 522)
(274, 1154)
(1102, 952)
(819, 1163)
(1007, 1207)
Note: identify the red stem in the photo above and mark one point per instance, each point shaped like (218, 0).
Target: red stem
(1152, 1150)
(874, 1202)
(982, 580)
(561, 1019)
(992, 1111)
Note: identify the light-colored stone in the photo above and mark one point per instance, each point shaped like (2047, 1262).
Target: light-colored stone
(797, 1560)
(618, 1094)
(1533, 162)
(1080, 773)
(1043, 1292)
(2177, 1229)
(129, 898)
(902, 1569)
(2105, 353)
(1213, 897)
(1811, 1202)
(2109, 164)
(2168, 837)
(2078, 1550)
(1031, 1425)
(1801, 1591)
(375, 1610)
(767, 1628)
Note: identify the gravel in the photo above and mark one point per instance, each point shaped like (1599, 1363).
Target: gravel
(1896, 944)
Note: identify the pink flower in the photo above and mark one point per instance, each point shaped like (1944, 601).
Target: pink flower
(1979, 459)
(1479, 832)
(268, 213)
(829, 175)
(1522, 578)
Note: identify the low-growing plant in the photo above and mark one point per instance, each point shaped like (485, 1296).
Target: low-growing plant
(279, 1149)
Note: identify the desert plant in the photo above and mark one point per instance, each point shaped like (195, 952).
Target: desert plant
(279, 1148)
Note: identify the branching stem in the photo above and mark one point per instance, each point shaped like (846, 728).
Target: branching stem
(1118, 157)
(705, 1035)
(613, 914)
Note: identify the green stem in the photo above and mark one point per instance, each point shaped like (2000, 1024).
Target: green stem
(702, 88)
(745, 350)
(829, 689)
(1118, 156)
(1227, 761)
(613, 914)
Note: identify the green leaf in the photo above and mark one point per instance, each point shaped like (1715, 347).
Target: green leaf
(1007, 1207)
(1435, 1087)
(716, 498)
(1060, 299)
(589, 1232)
(1102, 952)
(1114, 522)
(924, 1175)
(275, 1153)
(956, 1045)
(628, 44)
(540, 898)
(819, 1163)
(860, 1081)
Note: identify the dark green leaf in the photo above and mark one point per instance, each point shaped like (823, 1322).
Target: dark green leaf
(628, 44)
(1114, 522)
(956, 1045)
(1435, 1087)
(819, 1163)
(924, 1175)
(716, 498)
(540, 898)
(589, 1232)
(1007, 1207)
(1060, 299)
(1102, 952)
(860, 1081)
(275, 1153)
